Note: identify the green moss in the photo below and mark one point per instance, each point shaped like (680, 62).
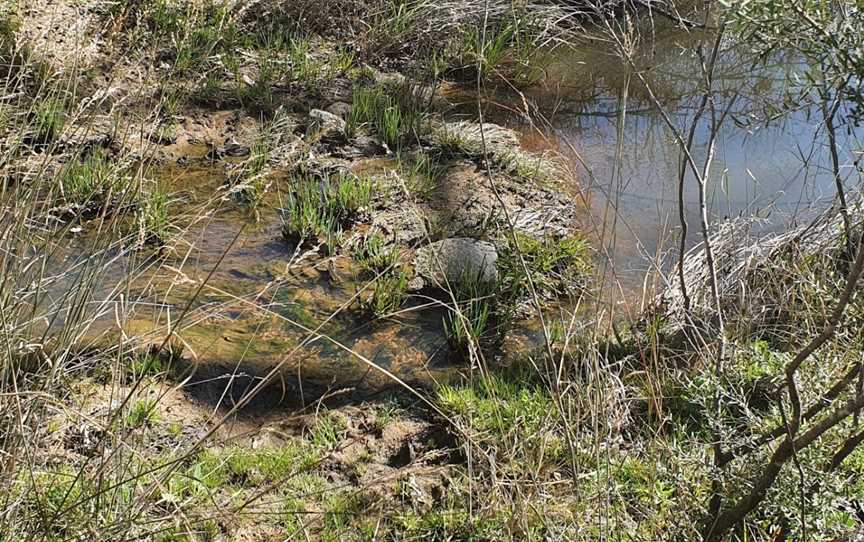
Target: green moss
(246, 467)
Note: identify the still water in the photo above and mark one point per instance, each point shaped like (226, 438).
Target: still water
(771, 161)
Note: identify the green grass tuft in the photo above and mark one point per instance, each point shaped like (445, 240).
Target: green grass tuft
(468, 322)
(320, 209)
(557, 266)
(395, 113)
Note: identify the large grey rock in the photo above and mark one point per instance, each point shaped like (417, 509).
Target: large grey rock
(452, 260)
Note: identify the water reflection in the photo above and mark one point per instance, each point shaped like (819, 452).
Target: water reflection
(770, 161)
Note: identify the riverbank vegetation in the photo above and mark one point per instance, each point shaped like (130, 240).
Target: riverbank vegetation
(320, 270)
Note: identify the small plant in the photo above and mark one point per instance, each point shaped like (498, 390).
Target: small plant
(153, 216)
(87, 182)
(508, 51)
(342, 509)
(245, 467)
(374, 255)
(248, 180)
(305, 68)
(395, 113)
(385, 414)
(388, 293)
(557, 266)
(451, 142)
(147, 364)
(468, 321)
(321, 209)
(327, 431)
(49, 117)
(422, 172)
(143, 413)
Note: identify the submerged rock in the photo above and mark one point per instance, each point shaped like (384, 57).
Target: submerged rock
(453, 260)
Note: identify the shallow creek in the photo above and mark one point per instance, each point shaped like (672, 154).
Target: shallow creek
(258, 305)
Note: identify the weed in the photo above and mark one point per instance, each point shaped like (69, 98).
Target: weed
(388, 293)
(341, 509)
(147, 364)
(320, 209)
(249, 179)
(374, 255)
(385, 414)
(49, 117)
(326, 433)
(153, 216)
(506, 50)
(88, 182)
(468, 321)
(422, 172)
(452, 142)
(143, 413)
(245, 467)
(512, 410)
(305, 68)
(396, 113)
(557, 266)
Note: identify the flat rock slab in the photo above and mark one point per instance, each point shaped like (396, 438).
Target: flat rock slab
(452, 260)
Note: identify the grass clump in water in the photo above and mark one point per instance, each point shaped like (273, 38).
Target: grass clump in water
(391, 279)
(374, 254)
(467, 323)
(94, 183)
(154, 217)
(557, 266)
(319, 209)
(388, 293)
(506, 51)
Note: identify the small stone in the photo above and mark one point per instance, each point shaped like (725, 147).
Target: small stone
(326, 125)
(416, 284)
(340, 109)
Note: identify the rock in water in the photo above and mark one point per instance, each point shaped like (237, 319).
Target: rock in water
(455, 259)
